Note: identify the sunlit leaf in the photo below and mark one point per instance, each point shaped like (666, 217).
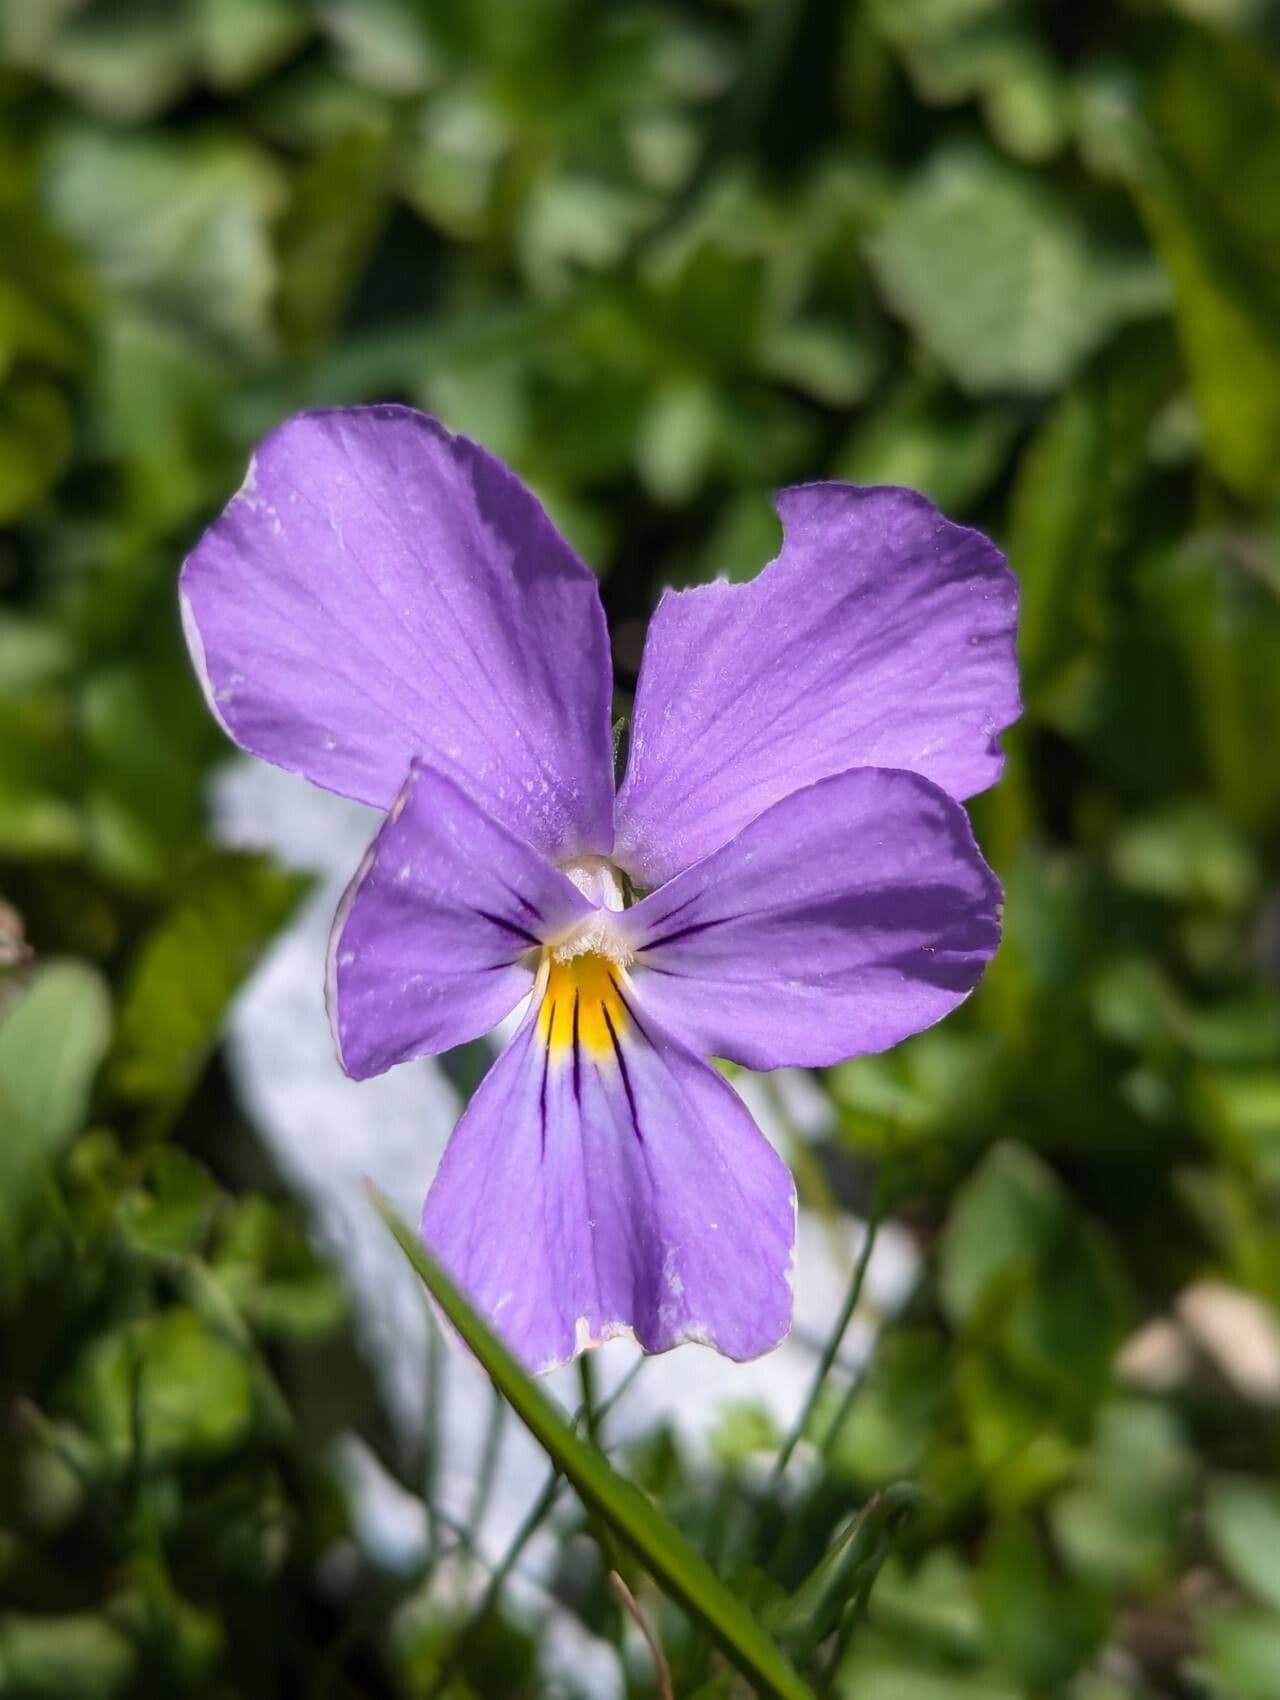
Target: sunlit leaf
(999, 281)
(1041, 1626)
(844, 1574)
(178, 227)
(239, 40)
(63, 1656)
(188, 969)
(35, 443)
(52, 1041)
(164, 1386)
(1242, 1653)
(1243, 1523)
(1216, 121)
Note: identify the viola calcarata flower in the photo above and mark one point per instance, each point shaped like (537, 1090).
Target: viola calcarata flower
(785, 875)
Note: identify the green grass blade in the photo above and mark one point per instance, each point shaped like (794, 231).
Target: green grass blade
(664, 1552)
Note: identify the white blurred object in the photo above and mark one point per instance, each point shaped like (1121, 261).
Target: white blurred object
(1158, 1358)
(1239, 1333)
(328, 1134)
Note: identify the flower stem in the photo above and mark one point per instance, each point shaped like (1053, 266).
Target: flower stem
(829, 1353)
(537, 1514)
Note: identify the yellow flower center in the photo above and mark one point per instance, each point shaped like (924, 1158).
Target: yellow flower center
(582, 1003)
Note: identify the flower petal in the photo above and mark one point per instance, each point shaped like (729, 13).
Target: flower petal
(850, 915)
(881, 636)
(606, 1181)
(378, 590)
(431, 943)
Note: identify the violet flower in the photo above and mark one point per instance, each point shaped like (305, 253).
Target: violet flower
(387, 610)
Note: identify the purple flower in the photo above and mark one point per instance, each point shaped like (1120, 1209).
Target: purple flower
(385, 609)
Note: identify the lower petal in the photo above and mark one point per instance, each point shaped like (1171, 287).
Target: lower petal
(604, 1181)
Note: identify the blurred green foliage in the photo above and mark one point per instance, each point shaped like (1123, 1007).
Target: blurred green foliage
(1022, 254)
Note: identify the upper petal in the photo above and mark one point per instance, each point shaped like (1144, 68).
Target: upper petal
(603, 1181)
(378, 590)
(431, 943)
(881, 636)
(855, 912)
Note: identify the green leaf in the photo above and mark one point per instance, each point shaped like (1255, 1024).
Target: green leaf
(941, 1084)
(822, 357)
(1186, 853)
(189, 968)
(1020, 1267)
(933, 1605)
(77, 1656)
(1003, 1216)
(665, 1553)
(1223, 14)
(170, 1213)
(240, 40)
(1242, 1654)
(1119, 1525)
(177, 227)
(883, 1669)
(1206, 192)
(843, 1574)
(998, 279)
(898, 1408)
(38, 776)
(273, 1277)
(1055, 521)
(1242, 1519)
(32, 652)
(1232, 354)
(950, 450)
(1041, 1625)
(743, 1432)
(677, 440)
(917, 23)
(35, 443)
(452, 157)
(1213, 594)
(958, 49)
(51, 1044)
(125, 62)
(143, 726)
(384, 43)
(160, 412)
(1076, 502)
(165, 1383)
(339, 204)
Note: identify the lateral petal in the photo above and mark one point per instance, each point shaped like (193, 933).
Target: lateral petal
(881, 636)
(434, 938)
(850, 915)
(380, 590)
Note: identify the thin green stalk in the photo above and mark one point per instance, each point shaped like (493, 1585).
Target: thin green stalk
(844, 1635)
(432, 1428)
(792, 1535)
(599, 1529)
(488, 1463)
(534, 1519)
(829, 1354)
(831, 1435)
(768, 1500)
(587, 1382)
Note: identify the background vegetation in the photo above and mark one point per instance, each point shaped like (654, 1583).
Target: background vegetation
(664, 258)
